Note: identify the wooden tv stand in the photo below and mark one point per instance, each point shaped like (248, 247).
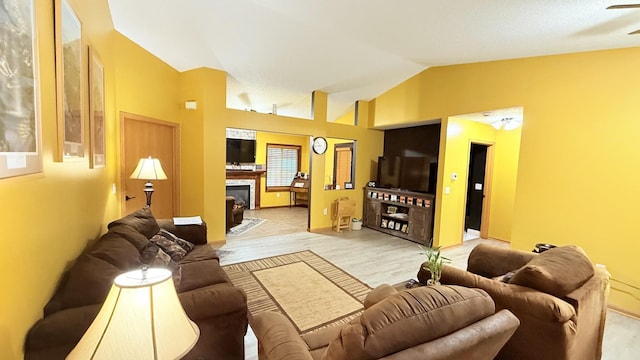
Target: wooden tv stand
(405, 214)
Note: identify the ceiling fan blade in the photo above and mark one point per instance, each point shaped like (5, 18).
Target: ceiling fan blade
(634, 32)
(628, 6)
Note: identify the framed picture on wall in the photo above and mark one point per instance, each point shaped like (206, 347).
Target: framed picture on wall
(96, 111)
(20, 139)
(69, 82)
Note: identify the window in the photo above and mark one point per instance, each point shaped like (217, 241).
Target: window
(283, 162)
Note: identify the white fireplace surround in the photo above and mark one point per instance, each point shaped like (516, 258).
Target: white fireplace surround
(252, 189)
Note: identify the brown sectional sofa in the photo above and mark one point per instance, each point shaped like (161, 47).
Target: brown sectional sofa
(206, 293)
(429, 322)
(559, 297)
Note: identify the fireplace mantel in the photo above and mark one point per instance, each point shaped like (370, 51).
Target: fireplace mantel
(248, 175)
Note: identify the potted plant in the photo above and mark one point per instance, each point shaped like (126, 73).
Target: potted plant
(431, 269)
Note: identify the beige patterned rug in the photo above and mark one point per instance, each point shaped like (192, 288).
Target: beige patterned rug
(309, 290)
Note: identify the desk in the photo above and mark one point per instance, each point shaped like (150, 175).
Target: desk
(299, 192)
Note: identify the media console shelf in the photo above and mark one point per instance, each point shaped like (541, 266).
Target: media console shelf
(405, 214)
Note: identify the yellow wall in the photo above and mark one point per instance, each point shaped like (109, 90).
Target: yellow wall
(275, 199)
(577, 164)
(47, 218)
(505, 170)
(450, 214)
(348, 118)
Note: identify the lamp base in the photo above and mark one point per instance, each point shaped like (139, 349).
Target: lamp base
(148, 191)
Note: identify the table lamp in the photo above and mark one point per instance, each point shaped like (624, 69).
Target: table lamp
(148, 169)
(142, 318)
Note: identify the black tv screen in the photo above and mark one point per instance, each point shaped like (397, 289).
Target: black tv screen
(407, 173)
(241, 151)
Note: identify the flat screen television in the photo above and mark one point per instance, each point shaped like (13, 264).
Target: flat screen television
(407, 173)
(241, 151)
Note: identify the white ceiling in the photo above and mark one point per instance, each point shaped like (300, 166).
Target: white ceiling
(279, 51)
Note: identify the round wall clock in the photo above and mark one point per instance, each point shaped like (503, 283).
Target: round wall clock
(319, 145)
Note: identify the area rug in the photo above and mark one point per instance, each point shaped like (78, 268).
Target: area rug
(246, 225)
(309, 290)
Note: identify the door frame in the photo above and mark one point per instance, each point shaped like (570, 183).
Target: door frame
(175, 171)
(487, 187)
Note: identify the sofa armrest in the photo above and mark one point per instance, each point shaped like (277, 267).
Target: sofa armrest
(64, 328)
(277, 338)
(378, 294)
(212, 301)
(491, 261)
(518, 299)
(196, 234)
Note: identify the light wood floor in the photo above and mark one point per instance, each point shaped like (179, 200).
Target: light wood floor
(377, 258)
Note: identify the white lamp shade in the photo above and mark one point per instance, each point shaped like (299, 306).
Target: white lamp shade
(142, 318)
(149, 169)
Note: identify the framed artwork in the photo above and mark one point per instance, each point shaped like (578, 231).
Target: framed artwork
(69, 80)
(97, 147)
(20, 149)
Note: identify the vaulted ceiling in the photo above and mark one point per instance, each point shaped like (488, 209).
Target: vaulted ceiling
(279, 51)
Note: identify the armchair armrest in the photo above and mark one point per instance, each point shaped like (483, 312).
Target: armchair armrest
(212, 301)
(597, 283)
(277, 338)
(491, 261)
(518, 299)
(378, 294)
(196, 234)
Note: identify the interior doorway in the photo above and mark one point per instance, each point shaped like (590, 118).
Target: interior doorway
(478, 191)
(274, 159)
(143, 137)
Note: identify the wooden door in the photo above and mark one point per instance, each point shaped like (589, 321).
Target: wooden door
(343, 164)
(143, 137)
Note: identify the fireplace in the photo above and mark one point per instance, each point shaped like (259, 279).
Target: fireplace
(243, 178)
(242, 193)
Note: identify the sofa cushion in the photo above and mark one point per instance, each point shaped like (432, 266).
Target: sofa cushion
(141, 220)
(88, 283)
(200, 274)
(199, 253)
(410, 318)
(557, 271)
(117, 251)
(187, 246)
(129, 233)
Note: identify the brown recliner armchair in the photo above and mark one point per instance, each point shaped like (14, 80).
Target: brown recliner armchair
(440, 322)
(558, 295)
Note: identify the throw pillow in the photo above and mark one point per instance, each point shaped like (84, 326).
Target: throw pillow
(153, 255)
(186, 245)
(557, 271)
(173, 249)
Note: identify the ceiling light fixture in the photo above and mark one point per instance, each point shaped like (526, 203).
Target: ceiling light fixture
(507, 123)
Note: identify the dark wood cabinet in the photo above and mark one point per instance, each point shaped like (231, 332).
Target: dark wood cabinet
(405, 214)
